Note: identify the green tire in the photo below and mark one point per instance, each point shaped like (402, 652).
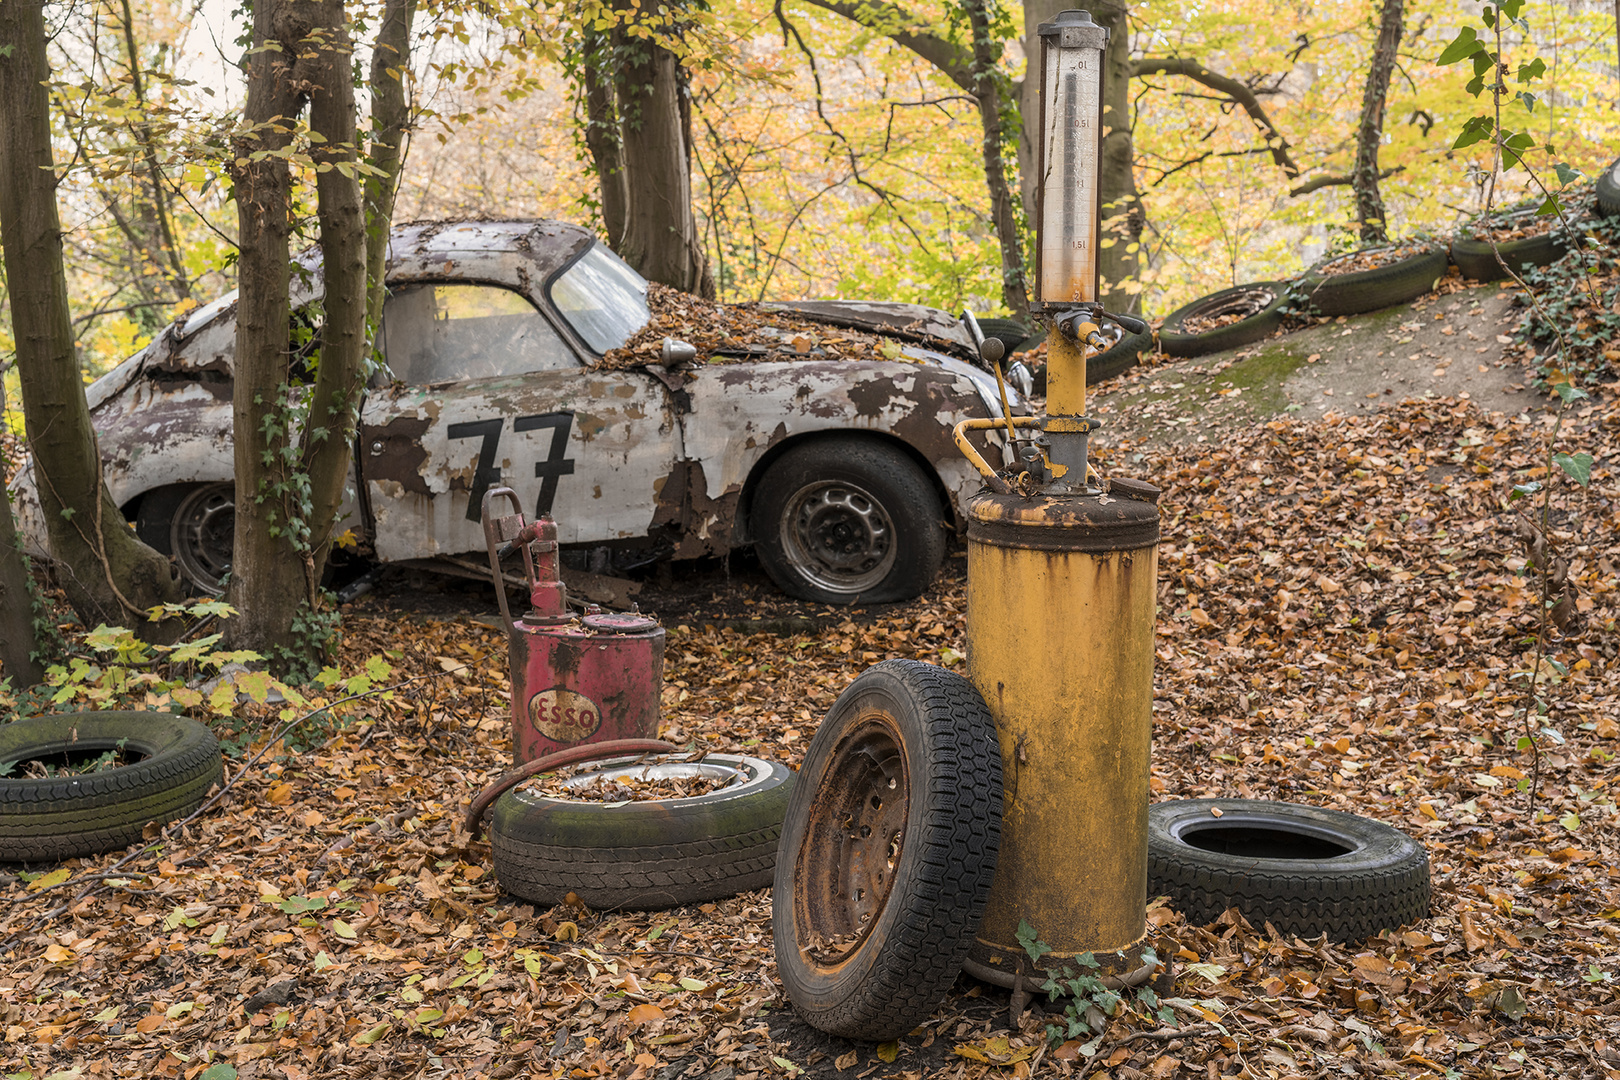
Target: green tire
(45, 820)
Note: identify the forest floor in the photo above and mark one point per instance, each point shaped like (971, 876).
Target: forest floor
(1344, 621)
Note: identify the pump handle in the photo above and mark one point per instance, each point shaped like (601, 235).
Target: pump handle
(1128, 322)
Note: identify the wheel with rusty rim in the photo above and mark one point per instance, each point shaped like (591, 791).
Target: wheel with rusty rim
(848, 520)
(888, 851)
(195, 524)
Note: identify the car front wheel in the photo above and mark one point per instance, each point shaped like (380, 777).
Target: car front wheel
(846, 521)
(195, 523)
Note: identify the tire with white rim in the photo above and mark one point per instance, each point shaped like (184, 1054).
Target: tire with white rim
(848, 520)
(645, 854)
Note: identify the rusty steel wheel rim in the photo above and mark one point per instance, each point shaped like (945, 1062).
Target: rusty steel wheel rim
(848, 861)
(202, 535)
(838, 536)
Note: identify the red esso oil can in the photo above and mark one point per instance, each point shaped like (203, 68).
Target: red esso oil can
(574, 679)
(583, 680)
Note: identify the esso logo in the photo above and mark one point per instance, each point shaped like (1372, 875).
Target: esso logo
(564, 715)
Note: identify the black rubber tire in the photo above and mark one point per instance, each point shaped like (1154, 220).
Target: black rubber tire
(1608, 190)
(900, 971)
(1476, 260)
(894, 485)
(1266, 298)
(644, 855)
(1368, 290)
(52, 819)
(1305, 870)
(1010, 332)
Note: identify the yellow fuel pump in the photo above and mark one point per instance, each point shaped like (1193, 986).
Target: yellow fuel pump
(1061, 599)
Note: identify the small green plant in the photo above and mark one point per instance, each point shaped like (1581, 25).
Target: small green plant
(40, 769)
(1091, 1003)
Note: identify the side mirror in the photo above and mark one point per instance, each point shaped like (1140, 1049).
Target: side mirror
(1019, 375)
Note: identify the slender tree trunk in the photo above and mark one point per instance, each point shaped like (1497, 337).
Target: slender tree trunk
(390, 123)
(988, 85)
(602, 136)
(268, 583)
(1364, 177)
(660, 233)
(19, 644)
(162, 219)
(1122, 215)
(108, 574)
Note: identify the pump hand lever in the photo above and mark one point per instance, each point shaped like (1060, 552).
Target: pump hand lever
(1127, 322)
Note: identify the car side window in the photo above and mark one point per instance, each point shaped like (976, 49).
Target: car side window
(449, 333)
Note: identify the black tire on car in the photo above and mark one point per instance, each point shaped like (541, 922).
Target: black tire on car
(1478, 261)
(1259, 303)
(888, 851)
(1305, 870)
(848, 520)
(59, 817)
(1361, 291)
(1608, 190)
(649, 854)
(194, 524)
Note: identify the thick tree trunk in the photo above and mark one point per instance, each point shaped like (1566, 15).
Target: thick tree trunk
(390, 123)
(1364, 177)
(987, 88)
(268, 582)
(660, 234)
(1122, 216)
(602, 136)
(19, 643)
(108, 574)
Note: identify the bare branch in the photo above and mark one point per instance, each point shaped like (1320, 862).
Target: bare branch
(1238, 92)
(1317, 183)
(906, 29)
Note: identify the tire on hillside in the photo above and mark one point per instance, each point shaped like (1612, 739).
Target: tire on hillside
(1305, 870)
(1478, 261)
(1259, 307)
(59, 817)
(1362, 291)
(648, 854)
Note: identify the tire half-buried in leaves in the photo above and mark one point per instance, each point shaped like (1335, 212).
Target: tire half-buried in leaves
(1305, 870)
(644, 854)
(1228, 319)
(63, 793)
(888, 851)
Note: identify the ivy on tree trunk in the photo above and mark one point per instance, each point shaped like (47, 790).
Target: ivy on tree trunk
(109, 575)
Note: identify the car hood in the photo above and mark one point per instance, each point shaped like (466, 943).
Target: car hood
(884, 317)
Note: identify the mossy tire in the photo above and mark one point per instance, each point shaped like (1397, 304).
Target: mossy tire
(1478, 261)
(1263, 299)
(643, 855)
(888, 851)
(1305, 870)
(1362, 291)
(45, 820)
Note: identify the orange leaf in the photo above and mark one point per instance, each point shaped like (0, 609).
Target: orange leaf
(280, 794)
(646, 1059)
(645, 1014)
(1471, 935)
(148, 1024)
(56, 954)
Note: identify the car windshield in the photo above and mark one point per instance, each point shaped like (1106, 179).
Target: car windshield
(603, 299)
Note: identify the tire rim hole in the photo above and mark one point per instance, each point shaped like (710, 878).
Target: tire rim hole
(80, 761)
(1258, 842)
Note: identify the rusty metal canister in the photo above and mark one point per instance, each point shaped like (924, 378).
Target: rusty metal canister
(1061, 595)
(584, 680)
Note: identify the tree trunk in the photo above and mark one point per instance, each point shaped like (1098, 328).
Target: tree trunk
(1364, 177)
(660, 233)
(19, 644)
(988, 86)
(160, 220)
(268, 583)
(390, 122)
(108, 574)
(602, 136)
(1122, 215)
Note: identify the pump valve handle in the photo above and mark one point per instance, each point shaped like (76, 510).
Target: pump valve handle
(1127, 322)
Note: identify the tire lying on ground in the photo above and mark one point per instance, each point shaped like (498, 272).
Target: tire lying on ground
(1246, 313)
(647, 854)
(60, 816)
(1306, 871)
(1608, 190)
(1360, 291)
(1478, 261)
(888, 851)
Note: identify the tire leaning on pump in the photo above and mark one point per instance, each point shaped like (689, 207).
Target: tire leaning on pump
(1477, 260)
(888, 851)
(1269, 296)
(64, 817)
(643, 855)
(1344, 875)
(1368, 290)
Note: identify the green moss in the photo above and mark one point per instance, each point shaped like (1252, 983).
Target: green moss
(1261, 377)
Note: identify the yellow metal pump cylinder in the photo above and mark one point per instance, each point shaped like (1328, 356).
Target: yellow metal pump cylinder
(1060, 644)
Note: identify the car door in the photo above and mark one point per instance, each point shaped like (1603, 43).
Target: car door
(486, 394)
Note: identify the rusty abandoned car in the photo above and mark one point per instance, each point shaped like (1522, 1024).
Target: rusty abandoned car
(839, 469)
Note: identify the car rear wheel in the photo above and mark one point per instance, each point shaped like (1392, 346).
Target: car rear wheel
(845, 521)
(196, 524)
